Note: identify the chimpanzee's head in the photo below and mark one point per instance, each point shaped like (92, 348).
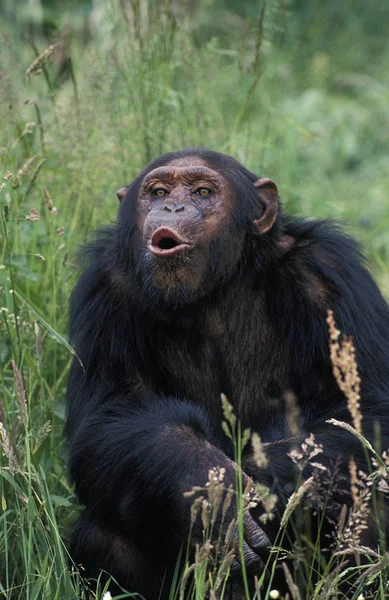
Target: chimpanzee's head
(184, 221)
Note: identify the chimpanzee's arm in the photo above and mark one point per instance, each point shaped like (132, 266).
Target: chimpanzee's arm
(129, 450)
(133, 458)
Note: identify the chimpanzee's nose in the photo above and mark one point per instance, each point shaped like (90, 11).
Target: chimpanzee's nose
(174, 207)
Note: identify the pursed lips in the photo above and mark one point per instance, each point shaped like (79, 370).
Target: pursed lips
(166, 242)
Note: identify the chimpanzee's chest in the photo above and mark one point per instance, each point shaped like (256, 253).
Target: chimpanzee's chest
(240, 357)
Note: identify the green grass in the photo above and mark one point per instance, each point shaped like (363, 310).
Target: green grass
(299, 94)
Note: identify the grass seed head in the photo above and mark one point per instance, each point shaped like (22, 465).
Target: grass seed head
(7, 448)
(33, 215)
(345, 370)
(203, 552)
(228, 499)
(23, 171)
(228, 411)
(292, 413)
(291, 584)
(303, 456)
(259, 454)
(224, 568)
(36, 66)
(21, 394)
(295, 499)
(268, 501)
(195, 508)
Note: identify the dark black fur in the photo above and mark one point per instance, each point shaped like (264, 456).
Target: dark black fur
(144, 416)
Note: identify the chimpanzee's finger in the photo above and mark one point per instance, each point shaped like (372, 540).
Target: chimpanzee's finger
(253, 563)
(255, 537)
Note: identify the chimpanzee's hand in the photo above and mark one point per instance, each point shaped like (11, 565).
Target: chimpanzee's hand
(256, 546)
(223, 528)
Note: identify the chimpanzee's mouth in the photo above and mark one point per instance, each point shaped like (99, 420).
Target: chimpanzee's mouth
(166, 242)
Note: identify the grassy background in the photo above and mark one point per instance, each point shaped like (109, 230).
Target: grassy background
(297, 92)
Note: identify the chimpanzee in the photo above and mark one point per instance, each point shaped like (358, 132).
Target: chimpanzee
(205, 286)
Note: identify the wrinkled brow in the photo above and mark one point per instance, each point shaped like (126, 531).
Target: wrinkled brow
(189, 173)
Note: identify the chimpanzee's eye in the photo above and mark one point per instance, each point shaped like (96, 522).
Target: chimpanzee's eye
(203, 191)
(160, 192)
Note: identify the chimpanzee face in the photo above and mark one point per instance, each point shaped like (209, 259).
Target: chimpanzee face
(185, 218)
(188, 241)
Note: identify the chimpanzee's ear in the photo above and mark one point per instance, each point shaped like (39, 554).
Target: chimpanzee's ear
(121, 192)
(268, 197)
